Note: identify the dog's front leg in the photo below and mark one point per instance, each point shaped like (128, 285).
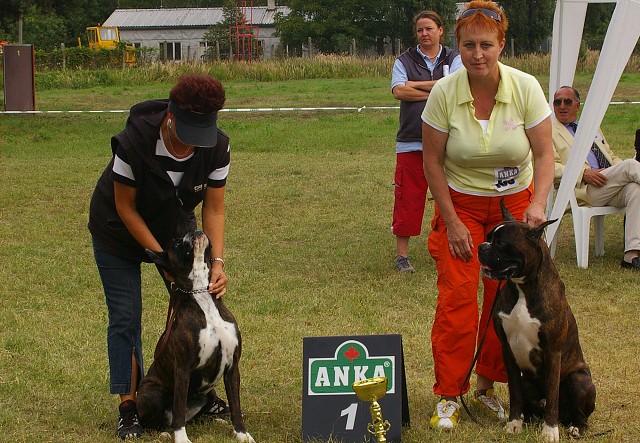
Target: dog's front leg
(180, 392)
(514, 380)
(550, 432)
(232, 388)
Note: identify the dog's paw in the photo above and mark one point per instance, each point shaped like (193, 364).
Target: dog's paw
(244, 437)
(514, 426)
(180, 436)
(550, 433)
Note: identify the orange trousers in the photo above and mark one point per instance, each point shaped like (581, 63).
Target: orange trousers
(456, 327)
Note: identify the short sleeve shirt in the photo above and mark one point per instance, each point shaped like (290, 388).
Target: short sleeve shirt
(174, 167)
(498, 161)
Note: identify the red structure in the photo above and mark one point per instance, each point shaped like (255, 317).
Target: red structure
(243, 36)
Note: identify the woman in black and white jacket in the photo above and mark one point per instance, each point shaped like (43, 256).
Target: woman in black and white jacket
(169, 158)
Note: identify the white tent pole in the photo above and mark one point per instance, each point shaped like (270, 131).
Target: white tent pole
(621, 38)
(568, 24)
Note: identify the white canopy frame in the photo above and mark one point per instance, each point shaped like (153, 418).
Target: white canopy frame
(622, 36)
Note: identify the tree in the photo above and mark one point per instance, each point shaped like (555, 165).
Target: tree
(403, 14)
(596, 24)
(530, 23)
(75, 15)
(217, 36)
(333, 24)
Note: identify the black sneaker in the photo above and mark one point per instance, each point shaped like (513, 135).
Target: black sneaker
(634, 264)
(128, 426)
(217, 408)
(403, 265)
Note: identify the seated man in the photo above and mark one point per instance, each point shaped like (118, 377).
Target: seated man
(606, 180)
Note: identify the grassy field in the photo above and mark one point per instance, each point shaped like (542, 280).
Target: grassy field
(309, 253)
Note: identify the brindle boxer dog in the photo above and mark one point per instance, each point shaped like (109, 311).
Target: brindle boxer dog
(548, 377)
(203, 346)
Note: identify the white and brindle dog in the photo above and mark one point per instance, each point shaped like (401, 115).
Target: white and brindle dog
(547, 375)
(202, 347)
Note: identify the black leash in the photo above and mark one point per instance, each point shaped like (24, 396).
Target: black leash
(475, 357)
(174, 303)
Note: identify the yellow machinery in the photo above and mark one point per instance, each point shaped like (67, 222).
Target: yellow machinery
(108, 37)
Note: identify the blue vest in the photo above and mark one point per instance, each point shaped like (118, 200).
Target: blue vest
(410, 112)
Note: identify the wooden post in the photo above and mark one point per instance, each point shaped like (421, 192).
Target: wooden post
(310, 47)
(64, 57)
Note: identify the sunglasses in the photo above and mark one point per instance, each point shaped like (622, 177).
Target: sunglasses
(488, 12)
(559, 101)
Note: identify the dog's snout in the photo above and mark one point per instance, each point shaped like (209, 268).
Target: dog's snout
(200, 241)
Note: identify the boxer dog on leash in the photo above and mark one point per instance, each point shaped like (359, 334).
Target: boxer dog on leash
(201, 346)
(547, 375)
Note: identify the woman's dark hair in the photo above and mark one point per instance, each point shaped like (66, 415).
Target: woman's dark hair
(198, 93)
(432, 15)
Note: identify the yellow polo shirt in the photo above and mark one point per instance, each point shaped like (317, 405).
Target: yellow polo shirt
(498, 162)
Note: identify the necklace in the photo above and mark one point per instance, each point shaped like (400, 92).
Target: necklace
(485, 105)
(482, 107)
(172, 150)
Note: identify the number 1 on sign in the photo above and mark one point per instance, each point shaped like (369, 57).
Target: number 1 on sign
(350, 412)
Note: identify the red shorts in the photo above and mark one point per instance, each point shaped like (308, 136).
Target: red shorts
(410, 194)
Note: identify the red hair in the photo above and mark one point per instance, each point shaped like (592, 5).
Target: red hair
(482, 22)
(198, 93)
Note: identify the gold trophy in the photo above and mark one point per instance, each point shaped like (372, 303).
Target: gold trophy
(372, 390)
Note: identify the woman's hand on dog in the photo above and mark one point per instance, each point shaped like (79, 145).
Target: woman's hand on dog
(218, 282)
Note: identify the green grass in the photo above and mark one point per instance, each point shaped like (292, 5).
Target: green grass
(309, 253)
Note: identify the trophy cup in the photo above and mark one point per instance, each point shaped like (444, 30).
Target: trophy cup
(372, 390)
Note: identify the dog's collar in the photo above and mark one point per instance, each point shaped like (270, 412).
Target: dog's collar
(194, 291)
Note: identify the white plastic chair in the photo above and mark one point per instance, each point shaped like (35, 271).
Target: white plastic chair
(581, 229)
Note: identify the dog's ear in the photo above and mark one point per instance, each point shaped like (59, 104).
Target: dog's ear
(506, 215)
(535, 233)
(159, 258)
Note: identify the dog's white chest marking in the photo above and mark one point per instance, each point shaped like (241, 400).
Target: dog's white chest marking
(217, 332)
(522, 332)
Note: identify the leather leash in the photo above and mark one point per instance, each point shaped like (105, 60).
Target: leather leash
(475, 357)
(174, 303)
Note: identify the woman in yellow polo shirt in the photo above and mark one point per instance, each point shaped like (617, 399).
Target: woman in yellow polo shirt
(484, 128)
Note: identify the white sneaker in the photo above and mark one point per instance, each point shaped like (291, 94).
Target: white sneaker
(491, 401)
(446, 415)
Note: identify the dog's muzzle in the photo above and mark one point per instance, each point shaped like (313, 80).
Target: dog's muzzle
(492, 266)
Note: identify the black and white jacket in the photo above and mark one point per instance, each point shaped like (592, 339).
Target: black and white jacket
(167, 210)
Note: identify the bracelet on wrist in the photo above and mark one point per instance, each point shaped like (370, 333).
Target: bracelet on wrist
(220, 259)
